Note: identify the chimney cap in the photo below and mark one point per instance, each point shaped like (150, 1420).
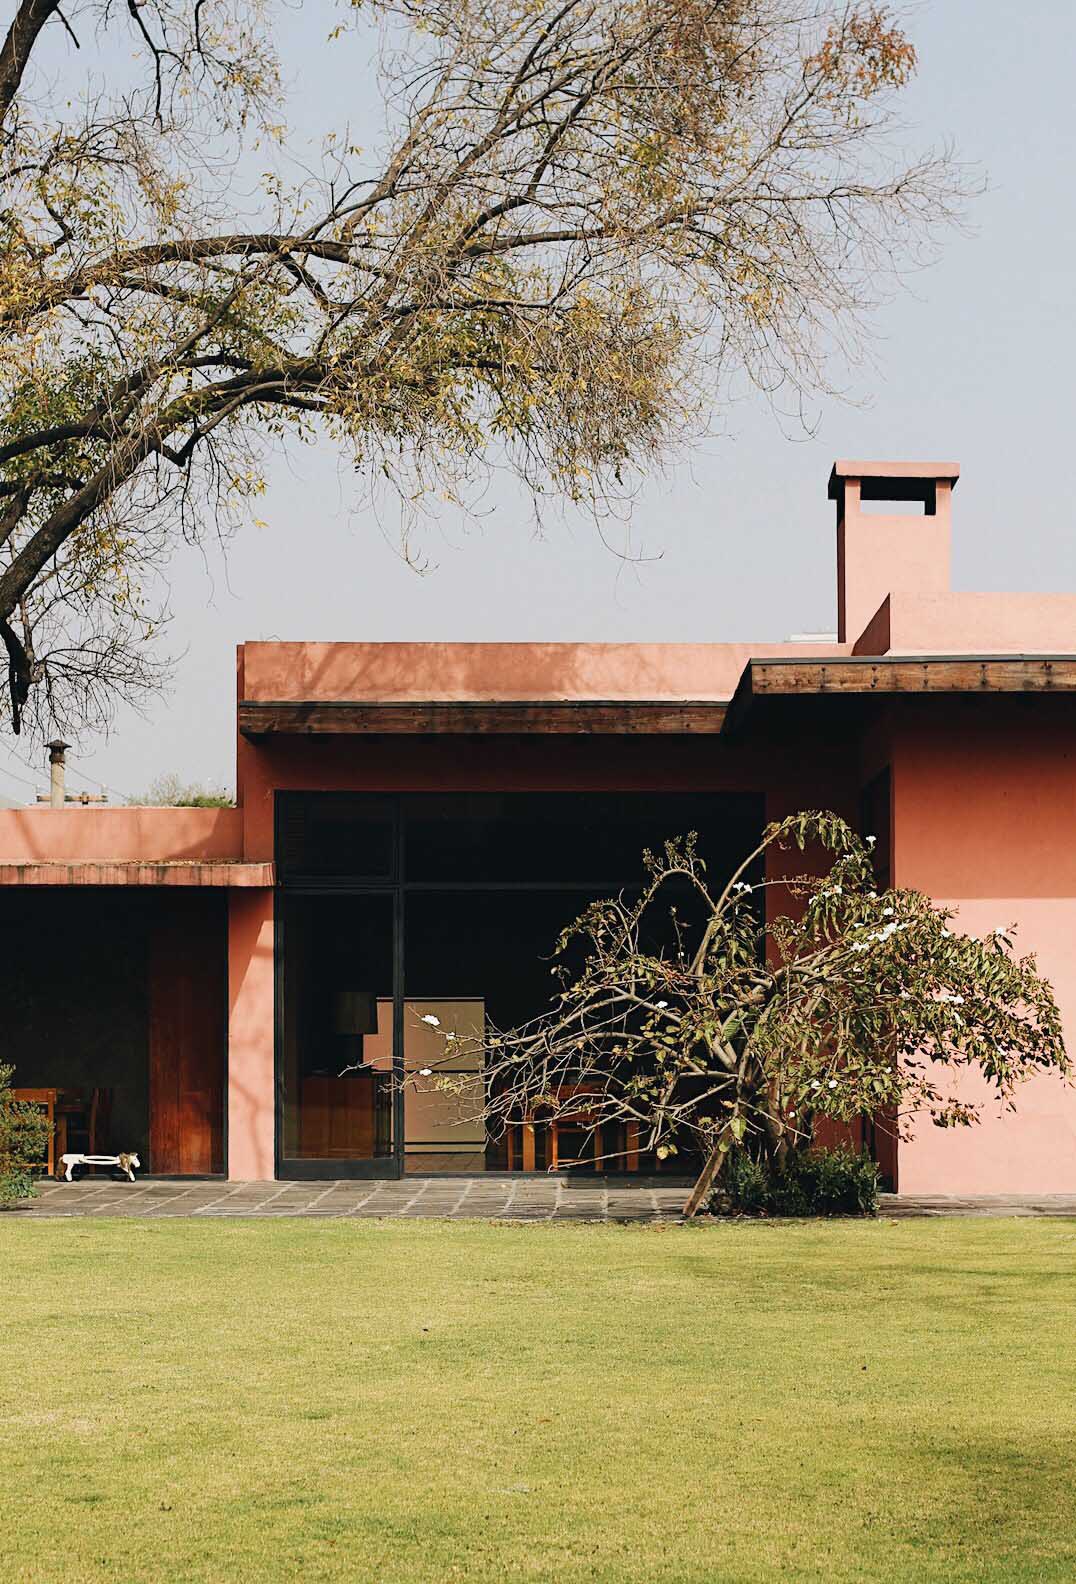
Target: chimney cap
(57, 745)
(892, 480)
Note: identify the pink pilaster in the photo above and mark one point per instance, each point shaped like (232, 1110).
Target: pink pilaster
(251, 1083)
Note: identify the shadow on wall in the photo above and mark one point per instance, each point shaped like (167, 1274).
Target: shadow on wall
(518, 671)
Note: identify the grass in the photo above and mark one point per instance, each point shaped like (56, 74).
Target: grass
(436, 1401)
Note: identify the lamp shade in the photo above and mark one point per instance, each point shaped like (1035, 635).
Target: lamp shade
(355, 1012)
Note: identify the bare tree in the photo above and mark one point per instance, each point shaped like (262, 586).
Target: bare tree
(687, 1018)
(587, 217)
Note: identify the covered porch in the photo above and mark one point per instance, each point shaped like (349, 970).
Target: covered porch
(114, 983)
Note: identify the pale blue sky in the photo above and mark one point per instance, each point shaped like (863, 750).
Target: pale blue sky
(974, 364)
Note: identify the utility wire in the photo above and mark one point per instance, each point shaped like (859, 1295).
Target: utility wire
(100, 785)
(33, 785)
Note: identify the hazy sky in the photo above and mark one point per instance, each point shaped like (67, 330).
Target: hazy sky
(974, 364)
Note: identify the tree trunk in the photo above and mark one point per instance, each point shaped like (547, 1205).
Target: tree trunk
(705, 1181)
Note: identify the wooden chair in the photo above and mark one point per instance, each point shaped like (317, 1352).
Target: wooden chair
(521, 1137)
(46, 1099)
(83, 1125)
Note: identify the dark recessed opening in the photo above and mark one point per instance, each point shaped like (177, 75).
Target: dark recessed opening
(913, 497)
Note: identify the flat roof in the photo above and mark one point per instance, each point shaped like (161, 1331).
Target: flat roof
(521, 717)
(866, 676)
(111, 872)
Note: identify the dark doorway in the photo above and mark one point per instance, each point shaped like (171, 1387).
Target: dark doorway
(116, 1000)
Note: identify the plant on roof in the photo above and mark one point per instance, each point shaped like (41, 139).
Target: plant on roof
(729, 1017)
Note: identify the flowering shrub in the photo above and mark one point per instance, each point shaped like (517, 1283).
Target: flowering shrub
(739, 1030)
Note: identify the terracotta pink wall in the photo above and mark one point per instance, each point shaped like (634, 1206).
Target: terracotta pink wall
(251, 1083)
(453, 671)
(887, 554)
(125, 835)
(972, 624)
(984, 800)
(475, 763)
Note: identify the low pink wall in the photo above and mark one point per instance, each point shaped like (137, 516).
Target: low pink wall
(981, 624)
(984, 806)
(121, 835)
(251, 1078)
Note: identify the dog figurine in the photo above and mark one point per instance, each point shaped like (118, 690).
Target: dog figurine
(126, 1162)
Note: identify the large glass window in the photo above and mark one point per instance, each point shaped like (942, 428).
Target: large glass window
(400, 911)
(521, 838)
(337, 1040)
(335, 837)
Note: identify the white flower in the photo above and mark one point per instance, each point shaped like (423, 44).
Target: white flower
(661, 1005)
(887, 912)
(791, 1113)
(815, 1084)
(434, 1022)
(833, 1083)
(871, 841)
(425, 1072)
(946, 932)
(1001, 929)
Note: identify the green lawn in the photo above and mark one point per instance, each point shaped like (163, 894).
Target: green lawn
(436, 1401)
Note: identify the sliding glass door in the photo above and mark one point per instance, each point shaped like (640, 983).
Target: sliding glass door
(338, 1098)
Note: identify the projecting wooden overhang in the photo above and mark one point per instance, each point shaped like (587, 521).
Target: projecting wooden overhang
(608, 717)
(101, 872)
(858, 680)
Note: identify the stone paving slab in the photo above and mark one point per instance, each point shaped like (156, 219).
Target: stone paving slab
(485, 1198)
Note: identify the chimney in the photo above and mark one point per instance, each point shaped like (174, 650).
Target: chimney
(57, 749)
(896, 553)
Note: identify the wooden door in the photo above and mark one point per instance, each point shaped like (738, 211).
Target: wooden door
(187, 1033)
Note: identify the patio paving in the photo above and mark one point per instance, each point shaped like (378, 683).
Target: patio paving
(486, 1198)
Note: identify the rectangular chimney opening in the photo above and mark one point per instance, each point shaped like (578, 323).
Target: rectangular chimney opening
(899, 497)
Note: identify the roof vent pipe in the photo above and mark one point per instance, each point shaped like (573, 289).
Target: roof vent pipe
(57, 772)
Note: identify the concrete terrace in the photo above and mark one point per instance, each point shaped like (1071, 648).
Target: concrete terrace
(482, 1198)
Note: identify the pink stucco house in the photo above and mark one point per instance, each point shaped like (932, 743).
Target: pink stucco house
(415, 821)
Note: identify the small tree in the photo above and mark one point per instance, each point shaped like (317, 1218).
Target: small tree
(24, 1137)
(707, 1027)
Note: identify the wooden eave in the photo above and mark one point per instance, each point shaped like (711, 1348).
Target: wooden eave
(865, 677)
(117, 872)
(520, 717)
